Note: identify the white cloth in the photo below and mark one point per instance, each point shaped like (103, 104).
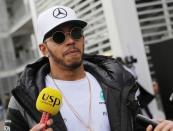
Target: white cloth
(77, 94)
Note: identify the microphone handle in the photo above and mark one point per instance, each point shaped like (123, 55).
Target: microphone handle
(44, 119)
(147, 120)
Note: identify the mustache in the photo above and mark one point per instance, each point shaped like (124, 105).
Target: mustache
(71, 49)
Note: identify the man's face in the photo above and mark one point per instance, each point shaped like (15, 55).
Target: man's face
(69, 53)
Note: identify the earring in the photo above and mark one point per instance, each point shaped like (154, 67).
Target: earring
(47, 55)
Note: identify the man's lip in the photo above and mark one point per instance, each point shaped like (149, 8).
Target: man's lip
(72, 51)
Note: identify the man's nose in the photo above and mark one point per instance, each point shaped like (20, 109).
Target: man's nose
(69, 40)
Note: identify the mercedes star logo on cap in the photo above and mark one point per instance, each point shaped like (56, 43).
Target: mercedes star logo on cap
(59, 13)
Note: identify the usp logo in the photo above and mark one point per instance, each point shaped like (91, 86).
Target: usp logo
(50, 100)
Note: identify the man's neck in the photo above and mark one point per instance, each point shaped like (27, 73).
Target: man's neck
(69, 75)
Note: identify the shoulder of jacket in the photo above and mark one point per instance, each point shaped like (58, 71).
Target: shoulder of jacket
(13, 104)
(109, 69)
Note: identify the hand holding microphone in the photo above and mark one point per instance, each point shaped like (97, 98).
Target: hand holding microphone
(39, 127)
(48, 102)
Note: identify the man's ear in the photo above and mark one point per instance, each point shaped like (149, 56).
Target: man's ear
(43, 49)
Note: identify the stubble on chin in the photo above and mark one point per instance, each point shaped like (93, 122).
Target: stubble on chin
(70, 64)
(73, 64)
(65, 62)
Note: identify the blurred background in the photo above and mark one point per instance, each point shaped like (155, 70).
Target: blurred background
(138, 32)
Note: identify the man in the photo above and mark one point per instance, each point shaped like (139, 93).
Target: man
(98, 94)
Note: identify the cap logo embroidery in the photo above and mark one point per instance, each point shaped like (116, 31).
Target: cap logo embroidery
(59, 13)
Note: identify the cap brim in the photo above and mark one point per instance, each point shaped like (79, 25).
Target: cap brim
(79, 23)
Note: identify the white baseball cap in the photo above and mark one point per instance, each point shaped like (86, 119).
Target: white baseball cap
(55, 16)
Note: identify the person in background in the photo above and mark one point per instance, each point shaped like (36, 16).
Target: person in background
(1, 111)
(7, 99)
(98, 93)
(156, 89)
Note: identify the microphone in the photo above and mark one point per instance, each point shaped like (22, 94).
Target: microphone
(146, 121)
(48, 102)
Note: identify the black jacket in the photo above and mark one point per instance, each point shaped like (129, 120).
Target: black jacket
(118, 85)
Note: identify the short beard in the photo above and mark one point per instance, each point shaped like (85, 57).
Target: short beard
(58, 61)
(74, 65)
